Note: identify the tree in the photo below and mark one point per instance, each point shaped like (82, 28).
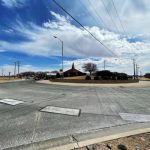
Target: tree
(89, 67)
(147, 75)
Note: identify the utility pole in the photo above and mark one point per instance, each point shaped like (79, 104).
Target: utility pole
(141, 73)
(9, 75)
(104, 64)
(134, 69)
(62, 58)
(137, 71)
(15, 69)
(18, 63)
(2, 72)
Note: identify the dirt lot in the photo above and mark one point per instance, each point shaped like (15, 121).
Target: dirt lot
(137, 142)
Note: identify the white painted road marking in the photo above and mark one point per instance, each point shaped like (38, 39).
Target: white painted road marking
(60, 110)
(10, 101)
(135, 117)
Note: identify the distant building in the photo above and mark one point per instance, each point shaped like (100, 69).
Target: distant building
(53, 74)
(73, 72)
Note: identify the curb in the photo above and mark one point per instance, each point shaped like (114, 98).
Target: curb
(125, 85)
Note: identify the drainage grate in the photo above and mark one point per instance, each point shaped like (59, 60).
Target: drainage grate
(60, 110)
(10, 101)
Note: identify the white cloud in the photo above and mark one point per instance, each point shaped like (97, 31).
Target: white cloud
(59, 17)
(77, 42)
(12, 3)
(23, 68)
(1, 51)
(135, 15)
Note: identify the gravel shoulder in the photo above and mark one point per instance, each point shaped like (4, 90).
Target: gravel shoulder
(136, 142)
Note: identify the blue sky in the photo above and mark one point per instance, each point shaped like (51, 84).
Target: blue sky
(27, 28)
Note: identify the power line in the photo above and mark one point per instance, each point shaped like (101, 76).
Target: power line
(82, 26)
(118, 16)
(88, 12)
(109, 15)
(123, 28)
(97, 14)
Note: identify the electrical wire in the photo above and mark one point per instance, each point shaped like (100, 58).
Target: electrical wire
(97, 14)
(123, 28)
(89, 13)
(110, 16)
(83, 27)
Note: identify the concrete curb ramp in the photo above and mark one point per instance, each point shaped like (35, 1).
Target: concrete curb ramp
(84, 139)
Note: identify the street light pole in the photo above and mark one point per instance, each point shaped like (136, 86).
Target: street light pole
(62, 44)
(62, 57)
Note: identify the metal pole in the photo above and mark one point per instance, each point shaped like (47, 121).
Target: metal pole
(104, 64)
(18, 66)
(134, 68)
(2, 72)
(141, 73)
(137, 71)
(15, 70)
(62, 59)
(9, 75)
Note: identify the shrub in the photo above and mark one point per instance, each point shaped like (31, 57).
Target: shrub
(108, 75)
(57, 75)
(87, 78)
(122, 76)
(96, 78)
(147, 75)
(52, 77)
(122, 147)
(104, 73)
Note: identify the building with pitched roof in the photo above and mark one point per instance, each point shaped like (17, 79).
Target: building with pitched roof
(73, 72)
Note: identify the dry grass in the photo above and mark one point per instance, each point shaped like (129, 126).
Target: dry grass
(7, 78)
(144, 79)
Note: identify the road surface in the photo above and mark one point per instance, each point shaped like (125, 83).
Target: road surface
(100, 108)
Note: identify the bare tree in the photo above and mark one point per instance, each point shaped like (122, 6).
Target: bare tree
(90, 67)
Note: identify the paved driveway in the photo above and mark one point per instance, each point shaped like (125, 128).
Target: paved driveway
(100, 108)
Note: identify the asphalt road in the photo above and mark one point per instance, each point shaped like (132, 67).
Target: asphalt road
(100, 108)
